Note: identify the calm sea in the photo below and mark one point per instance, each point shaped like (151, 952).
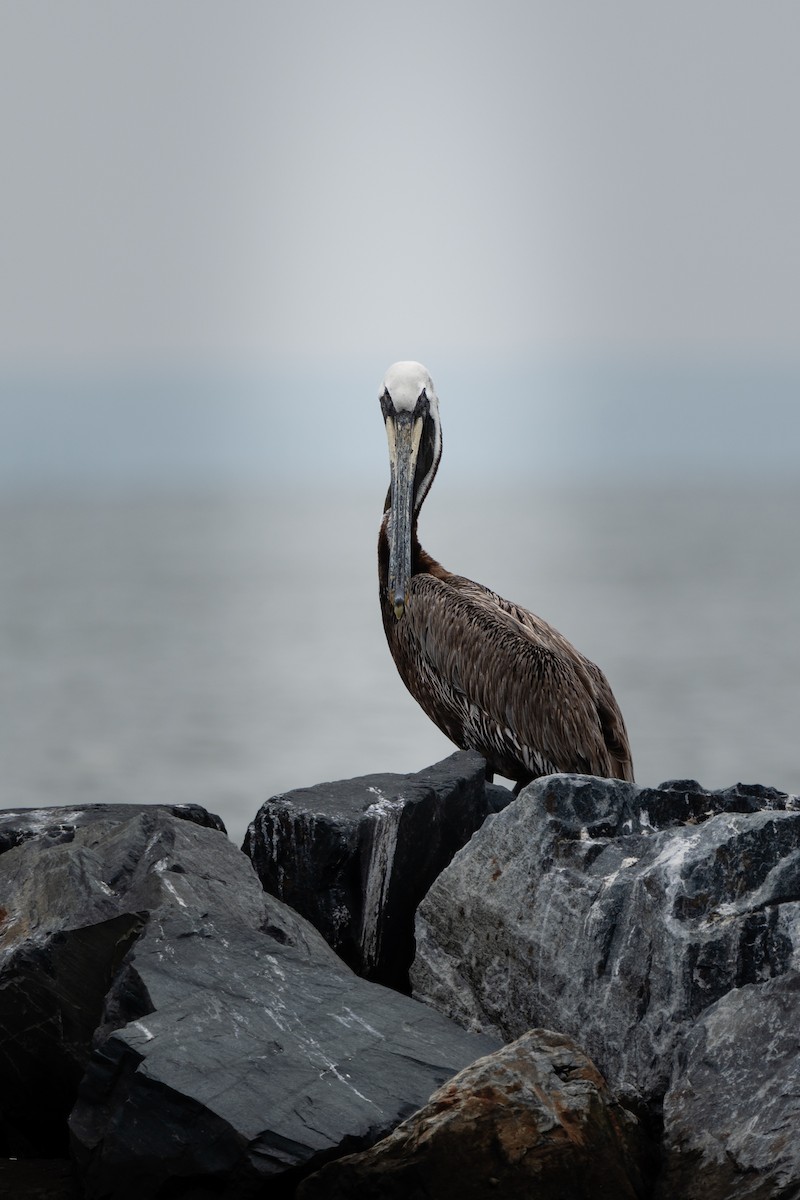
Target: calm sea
(220, 648)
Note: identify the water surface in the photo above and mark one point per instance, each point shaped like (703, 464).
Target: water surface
(220, 648)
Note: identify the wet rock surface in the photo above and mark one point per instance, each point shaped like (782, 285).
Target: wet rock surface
(180, 1032)
(732, 1113)
(533, 1119)
(63, 935)
(355, 857)
(214, 1040)
(616, 914)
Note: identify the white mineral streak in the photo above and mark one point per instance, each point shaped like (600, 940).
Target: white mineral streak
(672, 859)
(153, 841)
(173, 891)
(286, 1019)
(384, 815)
(353, 1020)
(610, 879)
(160, 868)
(40, 820)
(760, 897)
(276, 966)
(275, 839)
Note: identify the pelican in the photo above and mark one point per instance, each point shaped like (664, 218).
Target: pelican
(494, 677)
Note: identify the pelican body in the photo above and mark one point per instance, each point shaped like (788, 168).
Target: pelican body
(494, 677)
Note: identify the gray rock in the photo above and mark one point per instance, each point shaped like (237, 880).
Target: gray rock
(533, 1119)
(221, 1041)
(63, 934)
(355, 857)
(18, 825)
(732, 1114)
(614, 913)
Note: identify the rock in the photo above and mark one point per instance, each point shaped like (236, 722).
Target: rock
(616, 914)
(38, 1179)
(63, 935)
(497, 797)
(18, 825)
(355, 857)
(221, 1042)
(732, 1113)
(535, 1118)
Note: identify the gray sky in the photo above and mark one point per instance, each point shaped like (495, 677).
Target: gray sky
(317, 189)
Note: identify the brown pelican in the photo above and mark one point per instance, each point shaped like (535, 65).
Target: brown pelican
(493, 677)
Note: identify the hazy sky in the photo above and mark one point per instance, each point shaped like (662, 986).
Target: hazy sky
(250, 178)
(327, 187)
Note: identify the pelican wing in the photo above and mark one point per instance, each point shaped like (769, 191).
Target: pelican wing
(500, 680)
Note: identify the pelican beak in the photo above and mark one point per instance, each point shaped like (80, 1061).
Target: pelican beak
(404, 433)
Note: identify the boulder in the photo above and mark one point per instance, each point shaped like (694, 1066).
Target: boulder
(732, 1113)
(63, 934)
(213, 1038)
(533, 1119)
(355, 857)
(616, 914)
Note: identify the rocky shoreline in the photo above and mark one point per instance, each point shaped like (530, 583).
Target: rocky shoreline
(406, 986)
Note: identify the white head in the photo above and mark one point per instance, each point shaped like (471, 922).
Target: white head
(407, 393)
(405, 382)
(411, 415)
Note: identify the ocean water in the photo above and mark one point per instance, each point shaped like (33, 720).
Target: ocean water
(218, 648)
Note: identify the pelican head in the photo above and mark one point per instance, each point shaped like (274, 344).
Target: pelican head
(411, 415)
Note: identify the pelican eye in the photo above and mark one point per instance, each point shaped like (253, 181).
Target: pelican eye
(422, 405)
(387, 404)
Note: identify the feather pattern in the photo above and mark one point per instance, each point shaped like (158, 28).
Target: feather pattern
(493, 676)
(497, 679)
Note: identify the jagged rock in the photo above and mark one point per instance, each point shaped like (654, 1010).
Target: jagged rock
(732, 1113)
(355, 857)
(18, 825)
(535, 1118)
(614, 913)
(63, 935)
(223, 1042)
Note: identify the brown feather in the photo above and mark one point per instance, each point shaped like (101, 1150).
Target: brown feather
(497, 679)
(494, 677)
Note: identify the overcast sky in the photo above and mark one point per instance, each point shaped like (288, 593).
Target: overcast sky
(322, 188)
